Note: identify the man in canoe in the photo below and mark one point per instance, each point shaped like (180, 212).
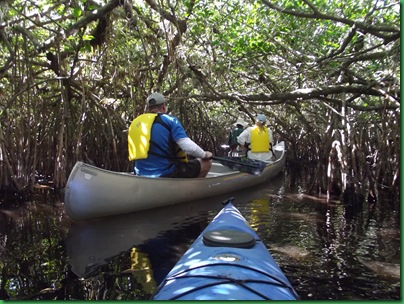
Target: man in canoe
(257, 140)
(159, 146)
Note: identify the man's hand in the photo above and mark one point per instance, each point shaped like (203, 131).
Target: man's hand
(208, 155)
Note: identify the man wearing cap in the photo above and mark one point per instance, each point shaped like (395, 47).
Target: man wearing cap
(257, 140)
(158, 144)
(235, 148)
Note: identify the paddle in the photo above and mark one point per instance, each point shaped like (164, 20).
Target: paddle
(246, 165)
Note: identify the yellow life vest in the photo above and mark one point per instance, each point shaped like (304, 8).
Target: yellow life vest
(259, 139)
(139, 136)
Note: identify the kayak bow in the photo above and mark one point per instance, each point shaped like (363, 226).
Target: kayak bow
(227, 261)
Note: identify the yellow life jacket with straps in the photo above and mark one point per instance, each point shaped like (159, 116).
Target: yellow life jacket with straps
(260, 141)
(139, 139)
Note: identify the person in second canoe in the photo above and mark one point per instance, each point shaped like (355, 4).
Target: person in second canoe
(257, 140)
(235, 148)
(159, 146)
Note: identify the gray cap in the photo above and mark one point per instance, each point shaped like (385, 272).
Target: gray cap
(155, 99)
(261, 118)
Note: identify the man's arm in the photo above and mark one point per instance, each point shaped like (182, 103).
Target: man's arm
(271, 139)
(191, 148)
(243, 137)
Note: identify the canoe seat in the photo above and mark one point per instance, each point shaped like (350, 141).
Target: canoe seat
(228, 238)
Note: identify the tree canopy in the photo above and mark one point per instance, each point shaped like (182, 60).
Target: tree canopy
(74, 73)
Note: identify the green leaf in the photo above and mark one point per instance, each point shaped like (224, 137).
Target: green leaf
(88, 37)
(77, 12)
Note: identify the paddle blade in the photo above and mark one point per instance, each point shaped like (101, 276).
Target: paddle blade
(242, 164)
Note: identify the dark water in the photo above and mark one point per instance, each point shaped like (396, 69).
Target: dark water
(326, 250)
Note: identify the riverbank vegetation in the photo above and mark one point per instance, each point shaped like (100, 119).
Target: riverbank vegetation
(74, 74)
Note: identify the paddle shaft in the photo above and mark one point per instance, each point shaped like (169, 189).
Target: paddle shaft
(226, 160)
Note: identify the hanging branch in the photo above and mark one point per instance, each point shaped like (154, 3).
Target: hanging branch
(11, 56)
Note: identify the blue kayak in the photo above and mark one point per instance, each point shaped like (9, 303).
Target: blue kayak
(227, 261)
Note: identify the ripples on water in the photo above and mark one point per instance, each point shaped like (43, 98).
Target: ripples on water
(326, 251)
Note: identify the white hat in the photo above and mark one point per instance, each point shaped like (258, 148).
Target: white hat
(240, 121)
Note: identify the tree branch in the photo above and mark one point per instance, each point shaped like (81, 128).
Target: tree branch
(376, 30)
(99, 13)
(307, 94)
(11, 58)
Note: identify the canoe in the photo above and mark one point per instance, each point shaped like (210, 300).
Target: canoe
(93, 192)
(227, 261)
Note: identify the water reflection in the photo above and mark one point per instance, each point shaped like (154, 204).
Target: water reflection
(32, 263)
(91, 244)
(328, 251)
